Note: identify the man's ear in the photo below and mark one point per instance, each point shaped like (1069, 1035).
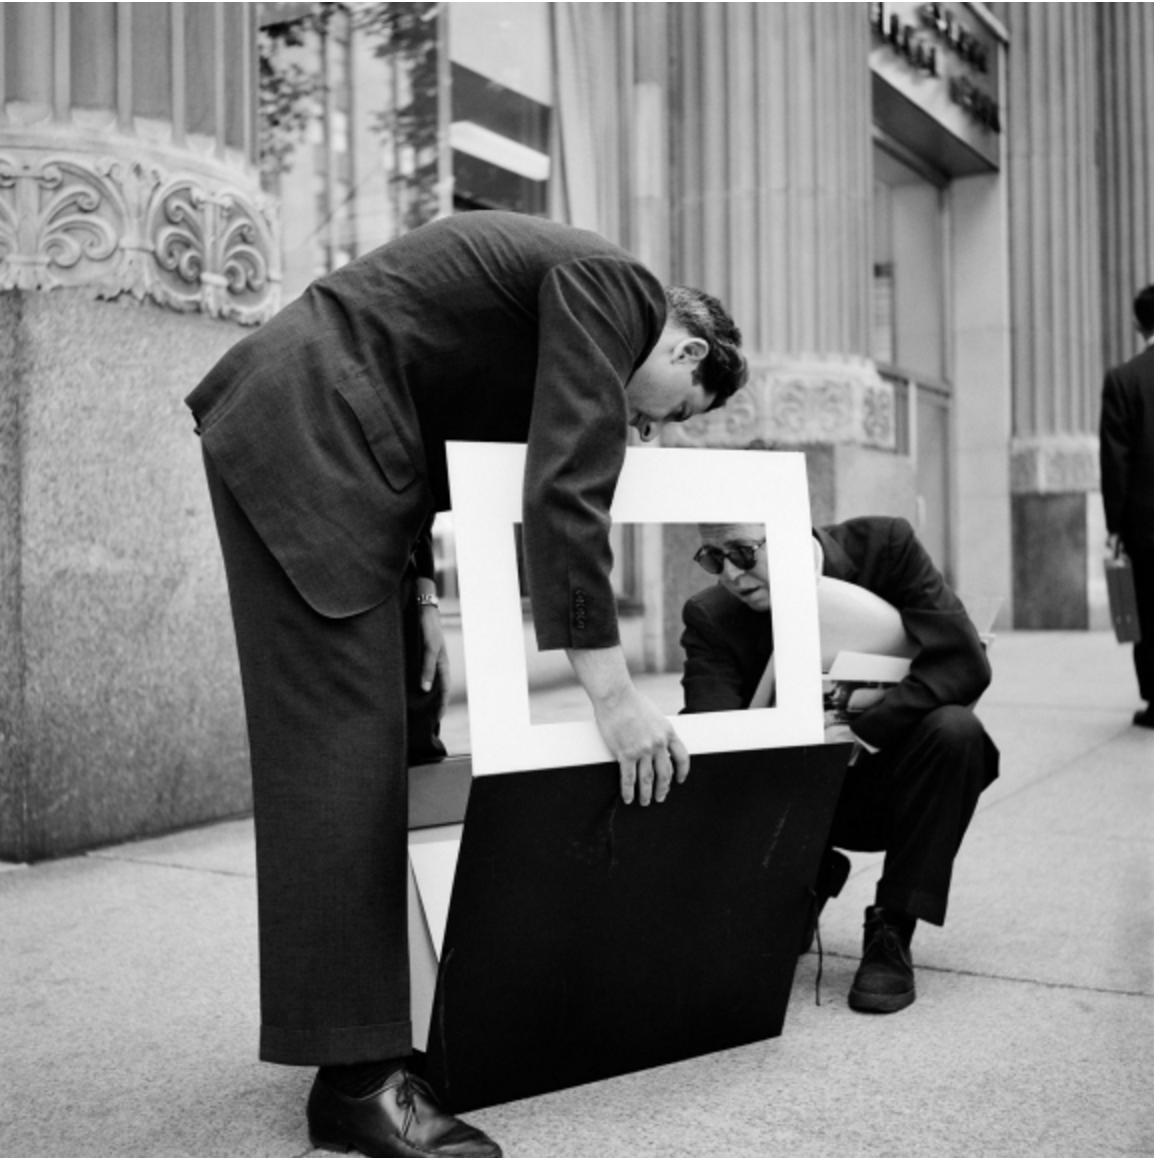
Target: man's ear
(692, 349)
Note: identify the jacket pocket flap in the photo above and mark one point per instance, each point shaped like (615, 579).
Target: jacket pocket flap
(380, 431)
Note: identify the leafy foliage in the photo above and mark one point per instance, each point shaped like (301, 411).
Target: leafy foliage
(289, 95)
(407, 39)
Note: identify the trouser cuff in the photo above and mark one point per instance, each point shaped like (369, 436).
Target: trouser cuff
(336, 1047)
(912, 902)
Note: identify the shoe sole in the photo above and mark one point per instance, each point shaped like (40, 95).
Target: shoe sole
(330, 1147)
(339, 1146)
(335, 1143)
(880, 1002)
(332, 1140)
(329, 1139)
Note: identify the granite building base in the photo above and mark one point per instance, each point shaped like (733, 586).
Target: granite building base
(1051, 573)
(120, 705)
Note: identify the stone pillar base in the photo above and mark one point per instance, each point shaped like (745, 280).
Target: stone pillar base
(1058, 534)
(120, 705)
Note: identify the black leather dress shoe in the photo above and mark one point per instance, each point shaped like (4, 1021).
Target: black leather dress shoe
(402, 1120)
(884, 982)
(831, 878)
(1145, 718)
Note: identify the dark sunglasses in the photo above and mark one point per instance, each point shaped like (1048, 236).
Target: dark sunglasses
(742, 555)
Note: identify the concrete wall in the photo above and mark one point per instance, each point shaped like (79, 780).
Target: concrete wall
(981, 357)
(118, 684)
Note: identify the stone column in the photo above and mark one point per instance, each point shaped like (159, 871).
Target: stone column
(1055, 260)
(133, 240)
(1127, 137)
(772, 168)
(647, 146)
(772, 188)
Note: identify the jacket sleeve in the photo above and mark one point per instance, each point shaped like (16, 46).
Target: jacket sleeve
(950, 665)
(713, 679)
(598, 319)
(1114, 434)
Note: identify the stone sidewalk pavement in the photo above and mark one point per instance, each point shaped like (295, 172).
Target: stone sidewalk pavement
(128, 1003)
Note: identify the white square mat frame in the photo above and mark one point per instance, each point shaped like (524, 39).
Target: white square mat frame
(657, 485)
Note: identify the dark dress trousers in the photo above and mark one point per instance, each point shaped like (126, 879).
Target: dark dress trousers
(324, 436)
(1126, 451)
(915, 796)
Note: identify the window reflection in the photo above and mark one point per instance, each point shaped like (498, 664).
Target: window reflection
(369, 131)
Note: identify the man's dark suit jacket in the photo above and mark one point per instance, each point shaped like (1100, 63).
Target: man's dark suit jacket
(329, 423)
(727, 644)
(1126, 451)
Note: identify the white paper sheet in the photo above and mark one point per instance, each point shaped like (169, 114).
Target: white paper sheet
(432, 866)
(433, 854)
(860, 667)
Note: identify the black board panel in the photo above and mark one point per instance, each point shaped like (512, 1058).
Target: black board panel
(588, 939)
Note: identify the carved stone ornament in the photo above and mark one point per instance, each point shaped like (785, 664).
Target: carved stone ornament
(796, 402)
(113, 226)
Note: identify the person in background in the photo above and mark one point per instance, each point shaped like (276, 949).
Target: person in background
(324, 439)
(1126, 454)
(922, 758)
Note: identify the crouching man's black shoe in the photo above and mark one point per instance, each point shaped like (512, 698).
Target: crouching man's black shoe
(884, 982)
(402, 1120)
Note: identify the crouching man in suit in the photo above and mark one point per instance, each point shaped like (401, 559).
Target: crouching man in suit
(921, 758)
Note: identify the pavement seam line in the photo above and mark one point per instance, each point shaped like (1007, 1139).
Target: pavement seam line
(188, 868)
(1047, 775)
(1015, 980)
(1031, 706)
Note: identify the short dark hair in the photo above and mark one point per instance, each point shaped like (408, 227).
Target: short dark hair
(724, 369)
(1144, 310)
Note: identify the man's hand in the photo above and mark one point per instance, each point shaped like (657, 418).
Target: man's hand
(648, 751)
(434, 656)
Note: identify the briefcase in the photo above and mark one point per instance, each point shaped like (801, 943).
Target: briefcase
(1123, 600)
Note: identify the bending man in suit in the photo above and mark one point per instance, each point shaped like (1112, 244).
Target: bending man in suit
(1126, 450)
(324, 438)
(924, 757)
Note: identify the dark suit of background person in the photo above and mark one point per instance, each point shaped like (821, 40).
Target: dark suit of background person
(915, 796)
(1126, 450)
(324, 436)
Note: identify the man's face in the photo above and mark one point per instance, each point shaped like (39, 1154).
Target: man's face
(663, 390)
(752, 586)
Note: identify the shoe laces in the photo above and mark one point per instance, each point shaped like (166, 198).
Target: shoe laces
(884, 936)
(408, 1088)
(820, 951)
